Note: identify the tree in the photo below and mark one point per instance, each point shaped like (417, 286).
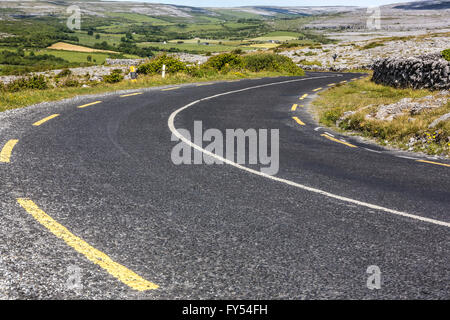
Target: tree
(97, 36)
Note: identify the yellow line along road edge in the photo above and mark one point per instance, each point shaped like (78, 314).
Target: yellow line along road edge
(38, 123)
(89, 104)
(432, 162)
(339, 141)
(5, 154)
(130, 94)
(99, 258)
(303, 96)
(300, 122)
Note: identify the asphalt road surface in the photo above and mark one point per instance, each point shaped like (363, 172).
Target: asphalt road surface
(92, 205)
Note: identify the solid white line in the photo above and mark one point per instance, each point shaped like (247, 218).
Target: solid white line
(171, 120)
(371, 150)
(405, 157)
(329, 134)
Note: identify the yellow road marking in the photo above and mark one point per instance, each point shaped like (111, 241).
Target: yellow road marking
(303, 96)
(337, 140)
(354, 79)
(204, 84)
(117, 270)
(167, 89)
(5, 154)
(331, 84)
(317, 89)
(294, 107)
(300, 122)
(89, 104)
(38, 123)
(130, 94)
(432, 162)
(343, 81)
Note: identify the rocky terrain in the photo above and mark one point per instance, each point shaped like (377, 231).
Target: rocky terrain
(361, 54)
(93, 73)
(409, 106)
(422, 15)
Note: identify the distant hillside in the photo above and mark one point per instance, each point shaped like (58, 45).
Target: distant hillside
(424, 5)
(21, 9)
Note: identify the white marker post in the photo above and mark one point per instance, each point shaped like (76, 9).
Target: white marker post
(164, 71)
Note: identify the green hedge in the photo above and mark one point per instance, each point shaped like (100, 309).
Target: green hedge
(114, 77)
(35, 82)
(173, 65)
(227, 62)
(271, 62)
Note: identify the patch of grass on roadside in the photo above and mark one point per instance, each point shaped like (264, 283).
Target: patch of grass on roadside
(311, 63)
(363, 97)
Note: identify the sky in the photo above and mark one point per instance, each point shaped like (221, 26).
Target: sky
(237, 3)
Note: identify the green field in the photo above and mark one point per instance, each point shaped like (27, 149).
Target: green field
(194, 47)
(279, 36)
(87, 40)
(140, 18)
(79, 57)
(140, 35)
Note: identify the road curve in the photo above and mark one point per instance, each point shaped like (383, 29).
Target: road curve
(89, 185)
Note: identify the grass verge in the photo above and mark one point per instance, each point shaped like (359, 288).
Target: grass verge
(407, 131)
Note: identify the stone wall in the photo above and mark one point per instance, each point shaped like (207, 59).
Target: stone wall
(430, 72)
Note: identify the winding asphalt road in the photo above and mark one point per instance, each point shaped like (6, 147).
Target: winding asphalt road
(93, 189)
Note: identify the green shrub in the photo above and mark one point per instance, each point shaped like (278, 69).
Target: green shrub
(225, 62)
(271, 62)
(446, 54)
(173, 65)
(311, 63)
(64, 73)
(114, 77)
(71, 83)
(288, 45)
(35, 82)
(201, 72)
